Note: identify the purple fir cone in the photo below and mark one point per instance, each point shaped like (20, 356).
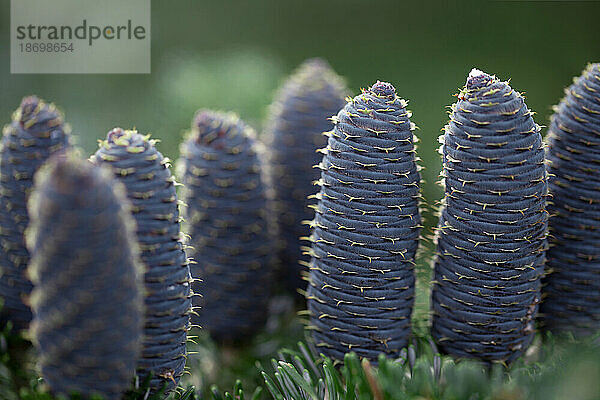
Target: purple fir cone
(299, 115)
(87, 301)
(492, 231)
(571, 293)
(36, 132)
(366, 229)
(144, 171)
(227, 220)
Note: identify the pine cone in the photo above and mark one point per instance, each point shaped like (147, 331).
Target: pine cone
(298, 117)
(571, 294)
(87, 300)
(491, 235)
(36, 132)
(226, 218)
(151, 190)
(366, 229)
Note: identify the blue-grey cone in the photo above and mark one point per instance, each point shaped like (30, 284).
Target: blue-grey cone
(366, 229)
(492, 231)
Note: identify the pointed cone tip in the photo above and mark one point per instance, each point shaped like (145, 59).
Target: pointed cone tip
(131, 137)
(114, 134)
(478, 79)
(205, 117)
(209, 125)
(383, 89)
(28, 105)
(316, 62)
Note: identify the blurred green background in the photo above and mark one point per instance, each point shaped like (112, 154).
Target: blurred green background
(233, 54)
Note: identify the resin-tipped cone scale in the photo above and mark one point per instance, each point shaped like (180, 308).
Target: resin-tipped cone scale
(87, 300)
(36, 132)
(571, 295)
(167, 282)
(492, 229)
(366, 229)
(298, 116)
(226, 219)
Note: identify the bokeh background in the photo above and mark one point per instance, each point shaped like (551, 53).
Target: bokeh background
(232, 55)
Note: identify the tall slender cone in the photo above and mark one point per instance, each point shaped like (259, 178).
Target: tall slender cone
(150, 187)
(492, 231)
(87, 299)
(571, 294)
(366, 229)
(226, 218)
(36, 132)
(298, 116)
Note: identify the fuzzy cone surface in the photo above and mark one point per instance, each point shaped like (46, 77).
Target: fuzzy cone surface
(226, 218)
(87, 301)
(151, 190)
(299, 115)
(571, 295)
(36, 132)
(366, 229)
(492, 229)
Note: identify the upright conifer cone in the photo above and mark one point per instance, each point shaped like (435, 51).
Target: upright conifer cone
(366, 229)
(151, 190)
(87, 301)
(226, 218)
(492, 230)
(36, 132)
(571, 294)
(298, 117)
